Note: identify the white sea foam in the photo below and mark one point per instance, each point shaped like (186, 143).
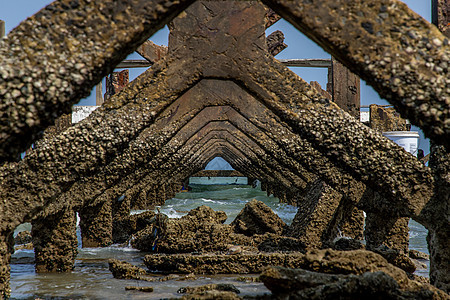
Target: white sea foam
(208, 200)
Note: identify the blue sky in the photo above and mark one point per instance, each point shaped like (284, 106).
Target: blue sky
(299, 46)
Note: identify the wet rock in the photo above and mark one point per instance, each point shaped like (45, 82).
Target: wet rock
(124, 270)
(350, 262)
(397, 258)
(419, 265)
(225, 287)
(124, 227)
(248, 279)
(332, 262)
(302, 284)
(345, 244)
(273, 243)
(257, 218)
(246, 263)
(200, 230)
(212, 295)
(28, 246)
(418, 255)
(418, 278)
(388, 231)
(23, 237)
(147, 289)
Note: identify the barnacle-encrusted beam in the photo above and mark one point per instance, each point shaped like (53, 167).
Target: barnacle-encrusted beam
(405, 58)
(53, 59)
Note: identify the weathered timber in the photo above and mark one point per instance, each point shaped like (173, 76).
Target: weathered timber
(135, 116)
(439, 232)
(2, 28)
(134, 63)
(307, 63)
(96, 224)
(385, 230)
(388, 231)
(6, 248)
(99, 94)
(315, 223)
(287, 283)
(386, 119)
(345, 90)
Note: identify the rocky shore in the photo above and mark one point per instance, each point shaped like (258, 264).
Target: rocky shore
(255, 243)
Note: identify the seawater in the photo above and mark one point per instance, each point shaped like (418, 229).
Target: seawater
(91, 278)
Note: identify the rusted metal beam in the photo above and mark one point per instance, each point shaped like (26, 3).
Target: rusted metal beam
(115, 82)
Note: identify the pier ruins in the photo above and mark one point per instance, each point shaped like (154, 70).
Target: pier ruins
(218, 90)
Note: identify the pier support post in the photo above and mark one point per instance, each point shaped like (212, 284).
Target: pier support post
(439, 232)
(55, 241)
(6, 248)
(386, 230)
(390, 231)
(315, 221)
(352, 223)
(96, 225)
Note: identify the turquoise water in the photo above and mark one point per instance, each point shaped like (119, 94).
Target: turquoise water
(91, 278)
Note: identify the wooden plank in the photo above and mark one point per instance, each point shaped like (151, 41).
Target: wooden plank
(2, 28)
(345, 90)
(99, 94)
